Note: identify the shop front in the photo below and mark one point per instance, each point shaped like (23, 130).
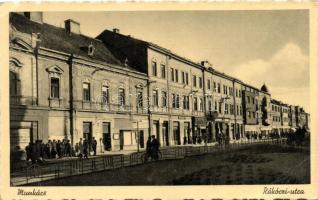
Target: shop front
(199, 125)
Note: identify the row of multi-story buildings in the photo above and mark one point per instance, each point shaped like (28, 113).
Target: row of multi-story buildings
(120, 90)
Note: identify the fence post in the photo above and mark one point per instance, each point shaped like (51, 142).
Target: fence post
(26, 175)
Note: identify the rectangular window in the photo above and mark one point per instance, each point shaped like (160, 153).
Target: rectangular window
(105, 94)
(224, 89)
(177, 101)
(237, 110)
(187, 78)
(163, 71)
(210, 105)
(220, 107)
(195, 103)
(231, 91)
(183, 77)
(154, 68)
(201, 104)
(172, 74)
(164, 98)
(86, 92)
(200, 82)
(194, 81)
(139, 99)
(219, 87)
(215, 105)
(186, 102)
(253, 100)
(155, 100)
(177, 75)
(55, 88)
(226, 109)
(248, 100)
(209, 84)
(215, 87)
(121, 96)
(241, 110)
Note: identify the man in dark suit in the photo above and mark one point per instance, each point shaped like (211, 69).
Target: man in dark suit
(154, 146)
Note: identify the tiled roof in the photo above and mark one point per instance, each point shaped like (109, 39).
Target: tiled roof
(59, 39)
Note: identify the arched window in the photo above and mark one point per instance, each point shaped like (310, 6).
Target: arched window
(14, 84)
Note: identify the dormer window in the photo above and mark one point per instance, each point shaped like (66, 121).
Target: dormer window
(91, 50)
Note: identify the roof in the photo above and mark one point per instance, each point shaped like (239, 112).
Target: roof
(59, 39)
(151, 44)
(264, 89)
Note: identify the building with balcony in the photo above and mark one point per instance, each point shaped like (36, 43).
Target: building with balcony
(120, 90)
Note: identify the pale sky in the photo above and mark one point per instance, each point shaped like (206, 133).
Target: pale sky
(255, 46)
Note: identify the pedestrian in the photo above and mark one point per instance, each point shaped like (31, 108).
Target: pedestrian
(38, 151)
(194, 139)
(63, 148)
(94, 145)
(28, 150)
(33, 152)
(53, 151)
(148, 147)
(68, 148)
(76, 149)
(154, 145)
(81, 148)
(49, 149)
(58, 149)
(86, 148)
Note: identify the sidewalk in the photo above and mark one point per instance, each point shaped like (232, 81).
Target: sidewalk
(22, 164)
(64, 167)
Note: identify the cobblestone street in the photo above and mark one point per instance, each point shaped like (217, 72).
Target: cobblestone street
(261, 164)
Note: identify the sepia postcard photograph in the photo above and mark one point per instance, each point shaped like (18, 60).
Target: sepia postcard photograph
(179, 98)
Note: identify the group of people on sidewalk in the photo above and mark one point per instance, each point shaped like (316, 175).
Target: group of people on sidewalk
(37, 151)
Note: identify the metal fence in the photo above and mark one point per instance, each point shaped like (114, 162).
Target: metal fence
(65, 168)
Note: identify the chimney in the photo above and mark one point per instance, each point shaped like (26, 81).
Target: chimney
(116, 30)
(206, 64)
(34, 16)
(72, 26)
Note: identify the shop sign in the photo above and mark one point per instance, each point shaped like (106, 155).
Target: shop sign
(200, 121)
